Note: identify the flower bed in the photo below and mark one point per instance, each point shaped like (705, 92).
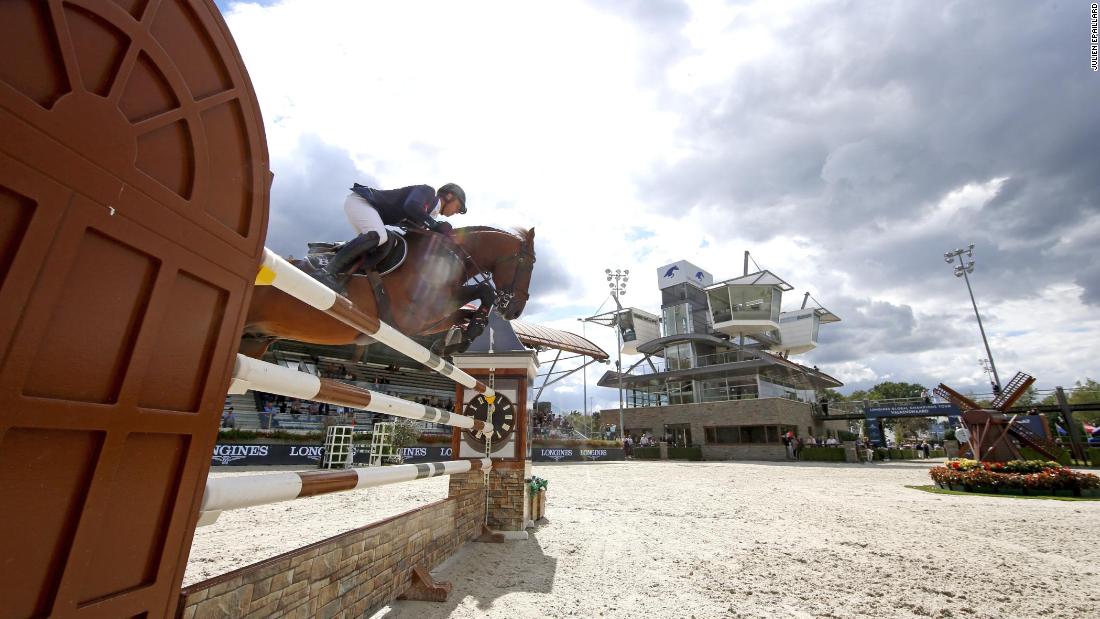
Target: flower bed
(1015, 477)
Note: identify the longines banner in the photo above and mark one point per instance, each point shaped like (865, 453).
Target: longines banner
(260, 455)
(574, 454)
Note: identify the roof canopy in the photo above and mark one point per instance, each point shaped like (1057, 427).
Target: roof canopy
(759, 278)
(545, 337)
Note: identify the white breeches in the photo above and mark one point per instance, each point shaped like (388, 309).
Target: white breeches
(363, 217)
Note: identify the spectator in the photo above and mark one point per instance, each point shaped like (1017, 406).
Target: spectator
(925, 396)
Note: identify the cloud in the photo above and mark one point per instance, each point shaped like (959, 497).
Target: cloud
(847, 145)
(307, 195)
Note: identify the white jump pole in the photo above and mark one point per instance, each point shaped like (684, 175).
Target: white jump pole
(279, 273)
(249, 373)
(227, 493)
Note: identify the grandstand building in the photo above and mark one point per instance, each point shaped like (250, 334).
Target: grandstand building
(718, 373)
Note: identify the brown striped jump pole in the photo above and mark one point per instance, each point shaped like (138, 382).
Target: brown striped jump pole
(249, 373)
(226, 493)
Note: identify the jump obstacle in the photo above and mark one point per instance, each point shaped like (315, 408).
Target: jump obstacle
(249, 373)
(231, 493)
(235, 493)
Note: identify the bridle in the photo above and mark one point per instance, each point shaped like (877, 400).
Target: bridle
(524, 260)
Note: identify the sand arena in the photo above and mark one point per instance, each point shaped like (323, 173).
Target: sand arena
(724, 540)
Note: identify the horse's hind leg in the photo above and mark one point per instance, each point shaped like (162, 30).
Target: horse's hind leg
(255, 345)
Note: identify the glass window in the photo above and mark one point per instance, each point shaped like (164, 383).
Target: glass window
(677, 319)
(719, 300)
(753, 303)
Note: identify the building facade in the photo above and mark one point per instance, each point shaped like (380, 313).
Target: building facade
(720, 375)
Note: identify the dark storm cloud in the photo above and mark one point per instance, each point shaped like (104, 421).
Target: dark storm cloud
(307, 196)
(869, 114)
(875, 328)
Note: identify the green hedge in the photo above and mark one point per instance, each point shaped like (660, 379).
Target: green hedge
(1094, 456)
(1028, 453)
(647, 453)
(895, 454)
(822, 454)
(685, 453)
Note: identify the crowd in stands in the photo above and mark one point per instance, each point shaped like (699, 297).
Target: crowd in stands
(271, 408)
(548, 425)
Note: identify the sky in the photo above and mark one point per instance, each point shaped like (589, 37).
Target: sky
(846, 145)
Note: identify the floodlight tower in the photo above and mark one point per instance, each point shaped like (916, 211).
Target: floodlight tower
(961, 270)
(616, 281)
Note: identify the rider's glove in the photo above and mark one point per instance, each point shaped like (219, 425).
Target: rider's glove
(443, 228)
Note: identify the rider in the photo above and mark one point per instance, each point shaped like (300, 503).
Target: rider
(370, 210)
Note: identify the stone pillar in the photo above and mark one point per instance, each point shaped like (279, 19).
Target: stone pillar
(508, 492)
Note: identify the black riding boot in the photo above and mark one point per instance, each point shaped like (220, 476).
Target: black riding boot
(348, 255)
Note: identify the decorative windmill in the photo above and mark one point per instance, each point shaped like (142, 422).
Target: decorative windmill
(992, 429)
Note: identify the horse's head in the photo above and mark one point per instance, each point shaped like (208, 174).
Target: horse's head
(508, 257)
(512, 271)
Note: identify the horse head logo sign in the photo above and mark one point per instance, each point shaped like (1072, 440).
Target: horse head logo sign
(699, 276)
(671, 272)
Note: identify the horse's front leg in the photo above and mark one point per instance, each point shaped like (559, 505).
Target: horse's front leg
(472, 322)
(483, 292)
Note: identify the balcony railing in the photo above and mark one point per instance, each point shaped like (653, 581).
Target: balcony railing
(664, 365)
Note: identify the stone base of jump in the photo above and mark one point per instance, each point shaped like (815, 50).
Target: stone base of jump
(489, 536)
(424, 588)
(513, 536)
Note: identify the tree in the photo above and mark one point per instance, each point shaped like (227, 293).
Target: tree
(895, 391)
(405, 433)
(1028, 398)
(1086, 392)
(910, 426)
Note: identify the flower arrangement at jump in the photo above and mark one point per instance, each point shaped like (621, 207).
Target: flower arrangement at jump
(1020, 477)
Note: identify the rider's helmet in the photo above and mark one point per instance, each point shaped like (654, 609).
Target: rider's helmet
(457, 191)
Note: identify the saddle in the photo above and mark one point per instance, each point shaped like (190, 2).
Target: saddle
(396, 249)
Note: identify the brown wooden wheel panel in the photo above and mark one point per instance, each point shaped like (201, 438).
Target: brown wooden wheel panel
(133, 207)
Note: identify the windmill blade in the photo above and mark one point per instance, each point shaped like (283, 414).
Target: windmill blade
(1012, 391)
(947, 393)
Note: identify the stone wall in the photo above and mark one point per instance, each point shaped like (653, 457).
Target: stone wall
(349, 575)
(507, 496)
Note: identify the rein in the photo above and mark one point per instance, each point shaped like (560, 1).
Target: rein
(505, 296)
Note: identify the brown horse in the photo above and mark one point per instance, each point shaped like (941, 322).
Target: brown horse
(425, 293)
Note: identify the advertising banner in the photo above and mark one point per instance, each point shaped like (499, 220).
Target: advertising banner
(310, 455)
(913, 410)
(575, 454)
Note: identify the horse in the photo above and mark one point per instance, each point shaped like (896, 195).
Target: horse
(426, 293)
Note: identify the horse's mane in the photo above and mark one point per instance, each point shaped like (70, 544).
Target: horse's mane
(523, 234)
